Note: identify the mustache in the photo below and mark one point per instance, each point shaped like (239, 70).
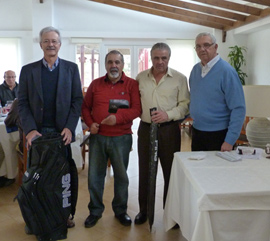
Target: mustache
(50, 48)
(113, 69)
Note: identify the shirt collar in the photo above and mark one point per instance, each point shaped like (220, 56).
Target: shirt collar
(168, 73)
(45, 63)
(121, 80)
(212, 62)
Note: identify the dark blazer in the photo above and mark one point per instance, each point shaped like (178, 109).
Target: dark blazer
(68, 100)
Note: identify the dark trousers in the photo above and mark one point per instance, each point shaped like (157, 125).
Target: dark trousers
(169, 142)
(207, 140)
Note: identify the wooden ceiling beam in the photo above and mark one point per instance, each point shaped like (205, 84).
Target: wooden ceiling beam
(250, 19)
(262, 2)
(233, 6)
(161, 13)
(170, 10)
(212, 13)
(205, 9)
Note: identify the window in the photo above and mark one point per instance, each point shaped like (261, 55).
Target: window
(9, 49)
(144, 59)
(87, 59)
(138, 58)
(136, 55)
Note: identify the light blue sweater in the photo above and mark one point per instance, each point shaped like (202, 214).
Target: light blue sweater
(217, 100)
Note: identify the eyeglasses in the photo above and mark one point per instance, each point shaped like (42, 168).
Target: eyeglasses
(10, 77)
(54, 41)
(205, 46)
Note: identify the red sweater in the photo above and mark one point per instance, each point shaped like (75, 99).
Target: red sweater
(96, 104)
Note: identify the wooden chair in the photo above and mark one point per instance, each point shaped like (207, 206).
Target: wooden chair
(85, 148)
(242, 140)
(22, 161)
(187, 123)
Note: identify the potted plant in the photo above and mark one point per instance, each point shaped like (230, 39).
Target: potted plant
(237, 59)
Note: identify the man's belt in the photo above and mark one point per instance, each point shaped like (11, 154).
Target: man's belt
(161, 124)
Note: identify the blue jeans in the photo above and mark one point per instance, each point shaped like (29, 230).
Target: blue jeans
(101, 148)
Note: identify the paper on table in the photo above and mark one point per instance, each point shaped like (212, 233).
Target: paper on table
(197, 156)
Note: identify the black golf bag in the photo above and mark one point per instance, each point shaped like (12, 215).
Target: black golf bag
(49, 191)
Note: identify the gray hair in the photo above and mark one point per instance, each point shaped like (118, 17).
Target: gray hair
(213, 38)
(49, 29)
(5, 73)
(161, 46)
(115, 52)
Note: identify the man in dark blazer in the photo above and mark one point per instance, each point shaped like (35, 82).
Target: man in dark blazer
(50, 97)
(50, 94)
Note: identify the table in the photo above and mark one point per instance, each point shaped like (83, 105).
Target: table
(217, 200)
(9, 166)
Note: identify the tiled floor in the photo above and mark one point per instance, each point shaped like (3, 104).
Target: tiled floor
(107, 228)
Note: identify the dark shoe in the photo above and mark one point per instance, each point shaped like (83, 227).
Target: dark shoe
(124, 219)
(4, 182)
(140, 218)
(70, 223)
(91, 221)
(9, 182)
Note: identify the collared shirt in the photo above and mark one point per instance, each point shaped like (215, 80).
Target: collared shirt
(95, 106)
(170, 94)
(45, 63)
(209, 65)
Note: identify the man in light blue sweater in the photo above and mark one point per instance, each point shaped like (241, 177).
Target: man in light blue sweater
(217, 103)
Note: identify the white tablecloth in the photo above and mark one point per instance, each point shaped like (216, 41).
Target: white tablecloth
(9, 167)
(217, 200)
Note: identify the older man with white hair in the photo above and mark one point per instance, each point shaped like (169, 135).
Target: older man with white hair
(9, 88)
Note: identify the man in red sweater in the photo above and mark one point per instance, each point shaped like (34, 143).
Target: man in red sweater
(111, 136)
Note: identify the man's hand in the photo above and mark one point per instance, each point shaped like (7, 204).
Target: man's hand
(110, 120)
(67, 136)
(159, 116)
(4, 110)
(226, 146)
(30, 136)
(94, 128)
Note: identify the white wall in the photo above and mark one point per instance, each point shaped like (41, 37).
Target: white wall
(259, 57)
(83, 18)
(92, 19)
(257, 36)
(16, 15)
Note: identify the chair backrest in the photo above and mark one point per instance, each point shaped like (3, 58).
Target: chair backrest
(22, 161)
(24, 152)
(84, 91)
(242, 140)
